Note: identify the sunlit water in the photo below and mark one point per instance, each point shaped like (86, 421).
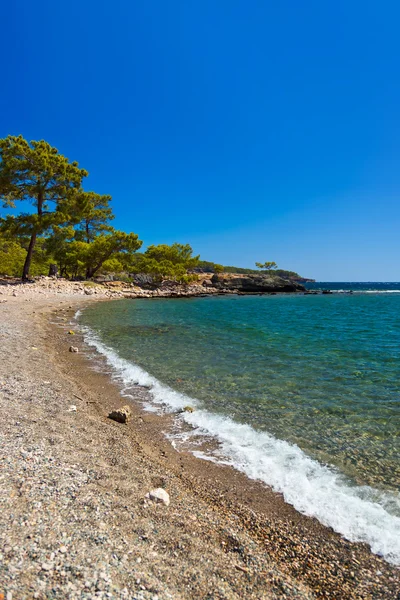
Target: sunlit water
(301, 391)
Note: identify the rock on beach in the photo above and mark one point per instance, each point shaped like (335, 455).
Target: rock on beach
(121, 415)
(159, 495)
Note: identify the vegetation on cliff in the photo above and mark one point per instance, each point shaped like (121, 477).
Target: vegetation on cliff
(210, 267)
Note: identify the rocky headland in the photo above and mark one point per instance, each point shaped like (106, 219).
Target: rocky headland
(145, 286)
(249, 283)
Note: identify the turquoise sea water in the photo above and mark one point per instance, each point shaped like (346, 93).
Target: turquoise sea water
(318, 375)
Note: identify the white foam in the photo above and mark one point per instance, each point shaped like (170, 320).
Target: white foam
(382, 291)
(358, 513)
(361, 292)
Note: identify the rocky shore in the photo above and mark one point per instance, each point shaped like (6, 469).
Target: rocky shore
(78, 516)
(265, 284)
(145, 287)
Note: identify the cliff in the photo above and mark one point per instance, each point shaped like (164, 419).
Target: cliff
(247, 283)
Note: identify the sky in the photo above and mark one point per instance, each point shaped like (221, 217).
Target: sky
(253, 130)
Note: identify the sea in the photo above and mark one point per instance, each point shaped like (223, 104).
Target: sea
(301, 392)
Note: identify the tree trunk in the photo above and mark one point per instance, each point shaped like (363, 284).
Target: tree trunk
(28, 260)
(53, 270)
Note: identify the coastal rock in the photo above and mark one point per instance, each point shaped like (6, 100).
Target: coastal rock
(188, 409)
(121, 415)
(255, 283)
(146, 281)
(73, 349)
(159, 495)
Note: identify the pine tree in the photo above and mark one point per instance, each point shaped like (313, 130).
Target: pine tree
(36, 173)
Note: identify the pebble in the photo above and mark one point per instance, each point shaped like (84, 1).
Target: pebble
(159, 495)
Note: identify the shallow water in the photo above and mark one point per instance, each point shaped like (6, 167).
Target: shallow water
(318, 374)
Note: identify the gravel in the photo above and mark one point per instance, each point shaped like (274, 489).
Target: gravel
(74, 520)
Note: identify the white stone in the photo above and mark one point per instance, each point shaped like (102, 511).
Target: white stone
(159, 495)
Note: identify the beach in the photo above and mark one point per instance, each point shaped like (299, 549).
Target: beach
(75, 521)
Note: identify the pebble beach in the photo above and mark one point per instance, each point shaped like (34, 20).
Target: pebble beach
(77, 518)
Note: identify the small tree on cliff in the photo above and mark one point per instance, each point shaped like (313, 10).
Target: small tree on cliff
(37, 173)
(267, 266)
(218, 268)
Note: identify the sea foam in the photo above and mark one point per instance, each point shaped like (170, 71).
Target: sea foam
(360, 514)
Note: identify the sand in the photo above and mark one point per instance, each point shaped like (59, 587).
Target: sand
(74, 518)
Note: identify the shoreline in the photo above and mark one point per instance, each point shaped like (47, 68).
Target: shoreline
(258, 545)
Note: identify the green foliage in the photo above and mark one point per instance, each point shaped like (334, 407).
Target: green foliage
(166, 261)
(36, 173)
(92, 214)
(106, 253)
(176, 254)
(210, 267)
(240, 270)
(41, 259)
(279, 272)
(287, 274)
(267, 266)
(112, 265)
(12, 257)
(114, 245)
(186, 279)
(125, 278)
(218, 268)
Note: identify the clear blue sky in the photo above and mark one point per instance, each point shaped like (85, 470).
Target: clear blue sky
(254, 130)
